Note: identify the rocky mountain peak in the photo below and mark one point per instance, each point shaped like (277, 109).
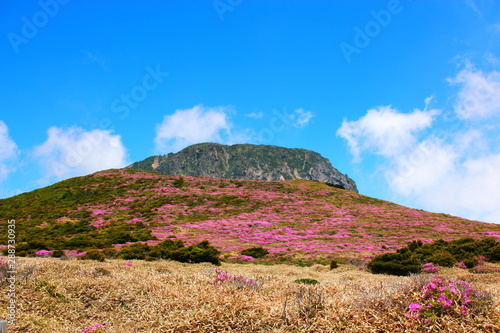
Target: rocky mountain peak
(247, 161)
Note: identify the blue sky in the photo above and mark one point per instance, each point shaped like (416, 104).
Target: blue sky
(402, 96)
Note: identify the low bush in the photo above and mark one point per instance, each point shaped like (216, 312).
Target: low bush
(333, 264)
(179, 183)
(443, 258)
(93, 255)
(172, 250)
(470, 262)
(306, 281)
(58, 253)
(256, 252)
(99, 271)
(109, 253)
(394, 264)
(465, 252)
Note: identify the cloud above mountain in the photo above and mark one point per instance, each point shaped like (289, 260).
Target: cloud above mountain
(74, 152)
(8, 152)
(445, 162)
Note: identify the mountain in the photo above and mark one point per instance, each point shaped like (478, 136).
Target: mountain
(297, 220)
(245, 161)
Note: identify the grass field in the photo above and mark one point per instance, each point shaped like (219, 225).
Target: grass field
(65, 296)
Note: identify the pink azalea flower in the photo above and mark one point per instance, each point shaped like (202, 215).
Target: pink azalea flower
(414, 307)
(44, 253)
(96, 327)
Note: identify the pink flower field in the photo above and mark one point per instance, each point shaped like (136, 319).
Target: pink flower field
(298, 218)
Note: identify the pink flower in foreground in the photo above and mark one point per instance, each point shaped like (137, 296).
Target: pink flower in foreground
(430, 268)
(128, 263)
(414, 306)
(96, 328)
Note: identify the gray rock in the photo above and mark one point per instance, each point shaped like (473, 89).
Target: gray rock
(246, 161)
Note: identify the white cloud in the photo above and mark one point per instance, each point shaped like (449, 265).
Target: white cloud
(76, 152)
(384, 130)
(479, 95)
(8, 151)
(452, 172)
(255, 115)
(195, 125)
(467, 187)
(300, 118)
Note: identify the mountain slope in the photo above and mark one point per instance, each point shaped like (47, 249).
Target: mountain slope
(294, 219)
(245, 161)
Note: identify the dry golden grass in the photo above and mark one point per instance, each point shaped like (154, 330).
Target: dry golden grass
(68, 296)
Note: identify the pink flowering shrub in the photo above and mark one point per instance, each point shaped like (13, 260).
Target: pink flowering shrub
(4, 268)
(44, 253)
(456, 298)
(484, 269)
(430, 268)
(241, 257)
(97, 328)
(128, 263)
(236, 281)
(481, 259)
(461, 265)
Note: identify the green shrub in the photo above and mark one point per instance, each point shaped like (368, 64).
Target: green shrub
(394, 264)
(109, 253)
(301, 264)
(179, 183)
(256, 252)
(134, 251)
(442, 253)
(117, 236)
(201, 252)
(307, 281)
(78, 242)
(494, 253)
(99, 271)
(413, 245)
(93, 255)
(172, 250)
(333, 264)
(57, 253)
(443, 258)
(470, 262)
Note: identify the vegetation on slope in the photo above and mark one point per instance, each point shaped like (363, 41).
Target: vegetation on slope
(297, 220)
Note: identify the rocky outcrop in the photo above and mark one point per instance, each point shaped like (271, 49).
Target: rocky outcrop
(245, 161)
